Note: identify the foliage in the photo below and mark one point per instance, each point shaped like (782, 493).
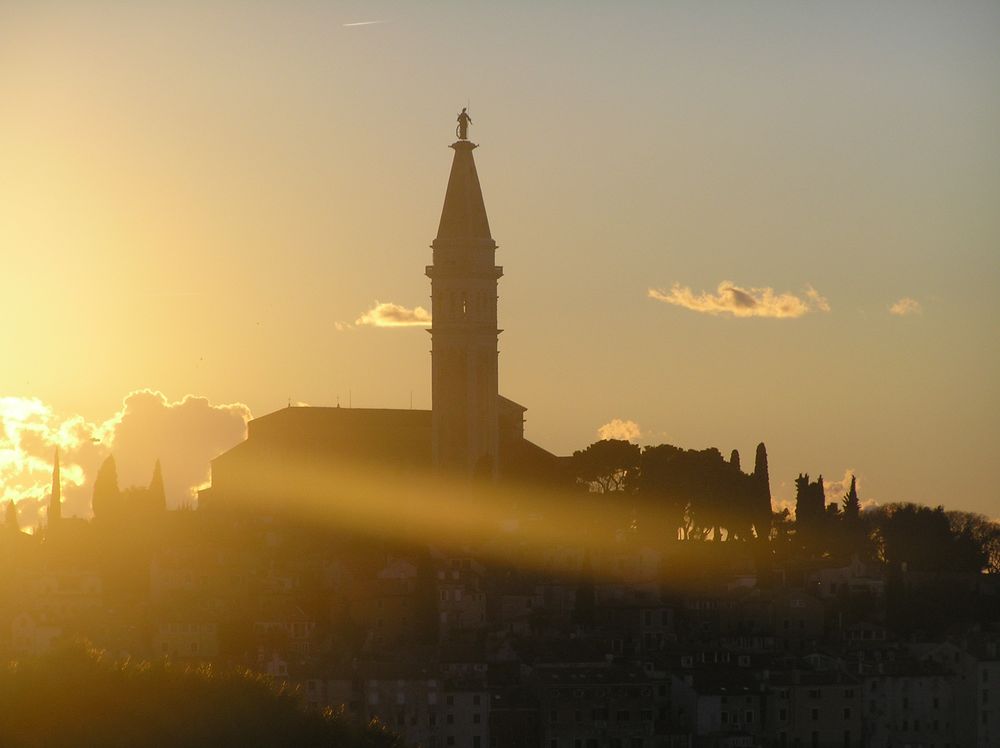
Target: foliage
(694, 494)
(924, 539)
(851, 502)
(79, 696)
(607, 465)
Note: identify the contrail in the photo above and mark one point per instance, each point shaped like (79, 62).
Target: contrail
(362, 23)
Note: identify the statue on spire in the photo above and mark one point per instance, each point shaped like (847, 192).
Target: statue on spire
(464, 120)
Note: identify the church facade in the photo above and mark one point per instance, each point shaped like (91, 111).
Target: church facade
(471, 429)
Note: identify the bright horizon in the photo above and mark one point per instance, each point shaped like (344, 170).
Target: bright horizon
(204, 202)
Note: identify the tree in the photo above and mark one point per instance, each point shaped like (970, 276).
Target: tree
(606, 465)
(64, 698)
(107, 500)
(11, 521)
(851, 502)
(924, 540)
(157, 497)
(982, 531)
(761, 497)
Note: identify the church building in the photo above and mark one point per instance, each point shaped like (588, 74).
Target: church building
(471, 429)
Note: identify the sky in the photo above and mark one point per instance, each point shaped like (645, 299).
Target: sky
(720, 223)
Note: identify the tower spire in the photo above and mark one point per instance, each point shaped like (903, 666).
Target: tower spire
(464, 376)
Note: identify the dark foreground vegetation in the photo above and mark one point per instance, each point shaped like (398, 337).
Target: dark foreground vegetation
(78, 696)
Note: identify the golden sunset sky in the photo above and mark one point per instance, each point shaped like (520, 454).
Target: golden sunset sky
(725, 222)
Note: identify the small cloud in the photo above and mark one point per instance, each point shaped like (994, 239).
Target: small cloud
(387, 314)
(362, 23)
(616, 428)
(730, 299)
(905, 307)
(818, 300)
(837, 489)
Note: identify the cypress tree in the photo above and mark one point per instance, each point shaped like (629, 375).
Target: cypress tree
(10, 517)
(762, 493)
(107, 499)
(852, 503)
(157, 496)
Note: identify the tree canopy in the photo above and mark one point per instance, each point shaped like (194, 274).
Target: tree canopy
(79, 696)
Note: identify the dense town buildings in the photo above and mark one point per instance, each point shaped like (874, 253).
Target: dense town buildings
(612, 636)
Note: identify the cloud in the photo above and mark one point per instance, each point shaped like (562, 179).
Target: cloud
(361, 23)
(837, 489)
(184, 435)
(387, 314)
(905, 307)
(744, 302)
(616, 428)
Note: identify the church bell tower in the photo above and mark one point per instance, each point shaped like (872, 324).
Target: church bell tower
(464, 334)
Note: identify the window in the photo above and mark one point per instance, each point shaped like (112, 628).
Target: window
(476, 718)
(748, 717)
(475, 699)
(782, 715)
(847, 712)
(815, 715)
(450, 700)
(450, 718)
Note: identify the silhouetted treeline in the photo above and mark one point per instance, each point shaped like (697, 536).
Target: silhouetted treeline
(78, 696)
(663, 493)
(678, 493)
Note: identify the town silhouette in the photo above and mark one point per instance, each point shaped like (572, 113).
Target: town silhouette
(379, 577)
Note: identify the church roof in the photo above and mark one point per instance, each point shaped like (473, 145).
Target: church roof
(463, 218)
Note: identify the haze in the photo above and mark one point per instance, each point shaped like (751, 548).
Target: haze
(204, 200)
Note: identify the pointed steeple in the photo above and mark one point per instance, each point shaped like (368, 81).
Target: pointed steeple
(463, 218)
(55, 501)
(464, 333)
